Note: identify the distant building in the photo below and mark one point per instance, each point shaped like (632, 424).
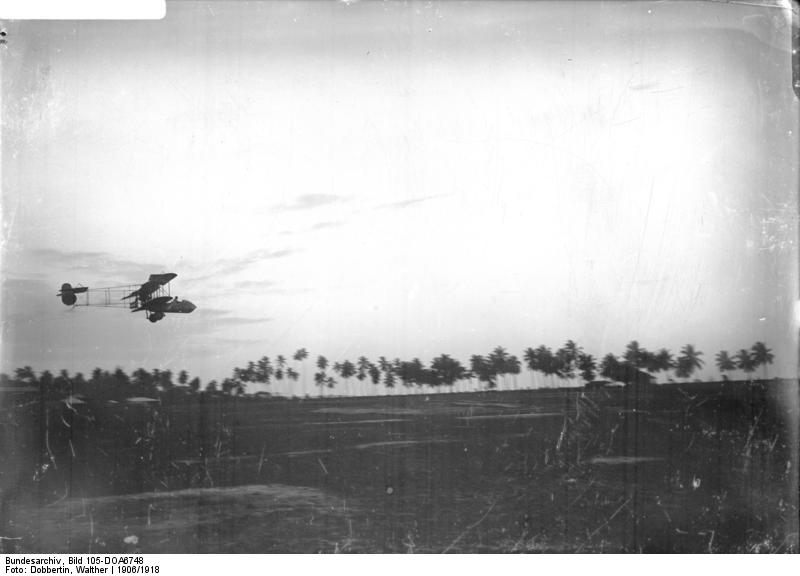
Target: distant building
(596, 384)
(630, 375)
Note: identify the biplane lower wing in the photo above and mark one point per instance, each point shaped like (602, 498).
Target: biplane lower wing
(153, 305)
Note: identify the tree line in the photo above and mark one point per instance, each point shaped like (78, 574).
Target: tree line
(567, 364)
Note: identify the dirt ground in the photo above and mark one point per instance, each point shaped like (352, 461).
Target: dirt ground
(698, 468)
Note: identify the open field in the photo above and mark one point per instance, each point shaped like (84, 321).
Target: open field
(708, 467)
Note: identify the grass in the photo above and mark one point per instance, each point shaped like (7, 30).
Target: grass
(679, 468)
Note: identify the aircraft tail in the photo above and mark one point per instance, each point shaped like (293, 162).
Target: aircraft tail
(67, 293)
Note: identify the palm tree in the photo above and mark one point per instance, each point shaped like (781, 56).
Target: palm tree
(531, 358)
(663, 361)
(447, 370)
(502, 363)
(403, 371)
(25, 375)
(513, 366)
(654, 362)
(476, 362)
(300, 356)
(568, 358)
(374, 374)
(319, 380)
(362, 366)
(761, 356)
(330, 382)
(79, 383)
(362, 370)
(121, 382)
(573, 350)
(388, 372)
(689, 361)
(420, 375)
(634, 354)
(564, 363)
(498, 359)
(337, 369)
(744, 361)
(348, 369)
(483, 370)
(280, 366)
(264, 368)
(320, 377)
(143, 382)
(97, 377)
(63, 384)
(46, 382)
(587, 366)
(549, 363)
(610, 367)
(166, 380)
(229, 386)
(724, 363)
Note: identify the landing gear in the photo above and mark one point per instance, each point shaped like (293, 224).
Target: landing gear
(155, 316)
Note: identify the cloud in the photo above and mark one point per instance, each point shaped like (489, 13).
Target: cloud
(227, 322)
(211, 312)
(230, 342)
(254, 285)
(323, 225)
(98, 264)
(238, 321)
(218, 318)
(643, 86)
(26, 298)
(410, 202)
(307, 201)
(231, 266)
(269, 254)
(25, 284)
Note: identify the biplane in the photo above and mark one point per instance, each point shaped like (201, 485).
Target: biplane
(153, 297)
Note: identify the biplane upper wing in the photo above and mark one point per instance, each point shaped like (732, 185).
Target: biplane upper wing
(153, 283)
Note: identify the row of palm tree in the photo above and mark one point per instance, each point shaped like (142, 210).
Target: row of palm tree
(568, 363)
(745, 360)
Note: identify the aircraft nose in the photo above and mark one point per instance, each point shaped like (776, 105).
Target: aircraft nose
(189, 306)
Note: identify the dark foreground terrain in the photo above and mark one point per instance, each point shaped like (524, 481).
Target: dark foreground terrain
(706, 467)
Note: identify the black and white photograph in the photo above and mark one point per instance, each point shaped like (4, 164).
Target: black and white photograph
(391, 277)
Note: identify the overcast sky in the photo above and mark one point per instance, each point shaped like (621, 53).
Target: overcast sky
(401, 179)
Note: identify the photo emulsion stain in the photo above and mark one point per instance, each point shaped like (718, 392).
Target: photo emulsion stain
(401, 277)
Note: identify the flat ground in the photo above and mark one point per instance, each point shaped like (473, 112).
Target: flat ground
(706, 467)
